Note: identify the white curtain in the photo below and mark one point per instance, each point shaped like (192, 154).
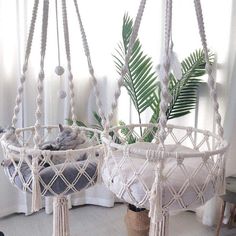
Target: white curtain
(103, 20)
(209, 214)
(219, 19)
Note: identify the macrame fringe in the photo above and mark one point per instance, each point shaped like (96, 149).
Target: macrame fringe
(99, 154)
(36, 191)
(60, 217)
(221, 184)
(156, 211)
(160, 228)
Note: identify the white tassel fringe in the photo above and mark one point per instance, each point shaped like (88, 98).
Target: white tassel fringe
(36, 191)
(60, 217)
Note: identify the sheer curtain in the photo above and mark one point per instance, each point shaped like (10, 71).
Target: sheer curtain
(219, 19)
(103, 21)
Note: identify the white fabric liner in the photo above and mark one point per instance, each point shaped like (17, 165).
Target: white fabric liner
(177, 178)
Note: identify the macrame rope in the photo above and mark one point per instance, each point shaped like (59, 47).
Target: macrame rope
(25, 66)
(39, 99)
(58, 38)
(211, 79)
(90, 66)
(124, 70)
(156, 209)
(164, 74)
(67, 48)
(61, 216)
(106, 121)
(36, 192)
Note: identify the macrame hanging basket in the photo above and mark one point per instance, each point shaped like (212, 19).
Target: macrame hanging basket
(179, 168)
(37, 162)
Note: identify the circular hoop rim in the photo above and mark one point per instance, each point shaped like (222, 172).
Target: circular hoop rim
(162, 153)
(28, 150)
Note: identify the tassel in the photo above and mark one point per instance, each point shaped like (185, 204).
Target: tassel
(221, 183)
(60, 217)
(36, 191)
(99, 159)
(156, 211)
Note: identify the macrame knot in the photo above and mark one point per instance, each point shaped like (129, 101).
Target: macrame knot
(189, 130)
(20, 89)
(124, 70)
(91, 71)
(61, 216)
(22, 79)
(179, 159)
(205, 157)
(120, 82)
(150, 155)
(156, 211)
(36, 191)
(208, 68)
(41, 75)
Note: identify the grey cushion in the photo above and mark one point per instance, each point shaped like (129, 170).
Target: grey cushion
(71, 180)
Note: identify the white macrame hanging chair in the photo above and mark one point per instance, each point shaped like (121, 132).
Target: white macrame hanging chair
(182, 167)
(55, 173)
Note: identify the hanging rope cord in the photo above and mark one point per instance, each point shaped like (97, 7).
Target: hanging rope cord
(211, 79)
(68, 56)
(41, 76)
(107, 120)
(156, 211)
(165, 96)
(58, 38)
(164, 73)
(36, 192)
(25, 66)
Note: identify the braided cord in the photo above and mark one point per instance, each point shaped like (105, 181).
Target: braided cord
(164, 75)
(25, 66)
(106, 121)
(90, 66)
(67, 48)
(211, 79)
(58, 38)
(39, 99)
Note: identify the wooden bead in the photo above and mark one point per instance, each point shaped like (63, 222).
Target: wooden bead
(61, 94)
(59, 70)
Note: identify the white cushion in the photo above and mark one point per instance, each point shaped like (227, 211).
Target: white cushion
(136, 174)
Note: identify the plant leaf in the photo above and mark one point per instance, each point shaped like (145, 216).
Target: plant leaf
(140, 81)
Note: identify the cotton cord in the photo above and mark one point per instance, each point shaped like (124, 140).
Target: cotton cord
(61, 216)
(39, 99)
(164, 75)
(156, 210)
(90, 66)
(58, 38)
(36, 191)
(68, 55)
(211, 79)
(107, 120)
(25, 66)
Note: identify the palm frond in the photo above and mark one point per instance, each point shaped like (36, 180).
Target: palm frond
(140, 81)
(184, 92)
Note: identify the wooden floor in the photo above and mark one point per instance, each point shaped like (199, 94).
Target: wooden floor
(99, 221)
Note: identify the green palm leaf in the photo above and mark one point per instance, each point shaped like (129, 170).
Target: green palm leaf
(140, 81)
(184, 92)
